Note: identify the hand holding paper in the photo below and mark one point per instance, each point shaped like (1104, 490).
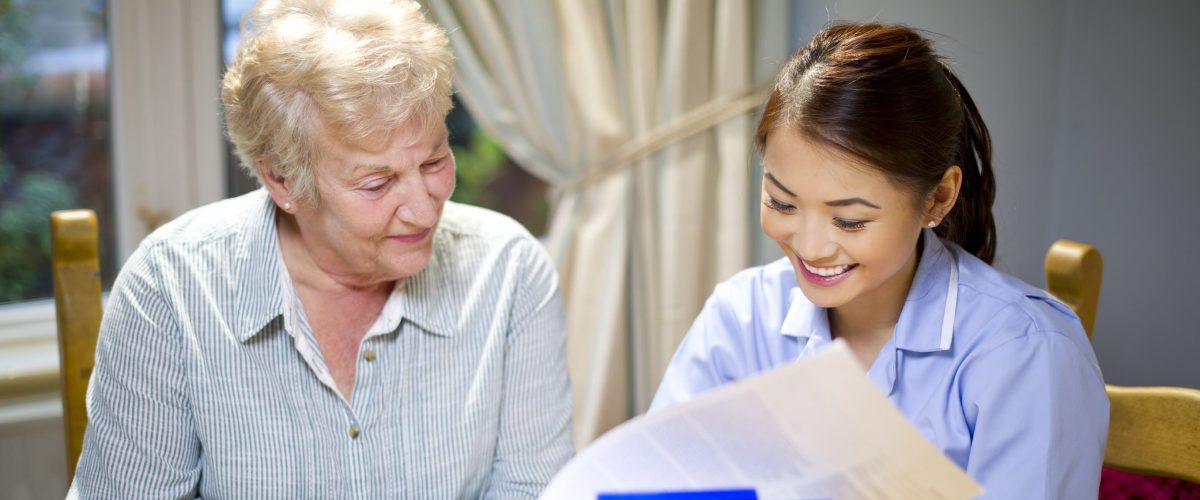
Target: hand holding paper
(813, 429)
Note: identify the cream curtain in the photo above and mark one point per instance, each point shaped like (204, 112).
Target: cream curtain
(640, 114)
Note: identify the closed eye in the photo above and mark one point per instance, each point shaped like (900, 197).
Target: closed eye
(778, 206)
(377, 185)
(434, 165)
(849, 224)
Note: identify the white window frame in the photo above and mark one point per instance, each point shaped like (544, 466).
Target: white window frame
(167, 149)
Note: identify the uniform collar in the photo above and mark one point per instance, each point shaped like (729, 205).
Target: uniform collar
(426, 300)
(926, 323)
(805, 320)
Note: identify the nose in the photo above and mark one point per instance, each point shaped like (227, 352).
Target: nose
(417, 205)
(813, 242)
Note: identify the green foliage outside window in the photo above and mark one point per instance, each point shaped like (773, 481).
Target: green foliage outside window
(25, 230)
(14, 49)
(26, 196)
(477, 165)
(487, 177)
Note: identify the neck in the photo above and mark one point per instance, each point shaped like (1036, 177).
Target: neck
(308, 273)
(873, 316)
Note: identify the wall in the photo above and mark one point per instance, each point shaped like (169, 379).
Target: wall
(32, 449)
(1126, 176)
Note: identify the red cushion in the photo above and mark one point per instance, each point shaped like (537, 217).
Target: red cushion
(1115, 484)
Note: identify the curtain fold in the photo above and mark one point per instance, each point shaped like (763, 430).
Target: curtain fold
(640, 115)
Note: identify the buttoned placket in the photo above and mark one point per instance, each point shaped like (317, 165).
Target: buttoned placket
(359, 411)
(368, 366)
(365, 369)
(354, 432)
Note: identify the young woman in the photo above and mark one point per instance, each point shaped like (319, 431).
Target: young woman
(878, 188)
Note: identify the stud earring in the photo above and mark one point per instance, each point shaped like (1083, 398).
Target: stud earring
(287, 205)
(932, 223)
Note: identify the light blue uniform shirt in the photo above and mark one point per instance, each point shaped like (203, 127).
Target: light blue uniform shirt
(995, 373)
(209, 382)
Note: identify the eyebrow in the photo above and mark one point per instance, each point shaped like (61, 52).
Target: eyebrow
(369, 168)
(779, 184)
(834, 203)
(851, 201)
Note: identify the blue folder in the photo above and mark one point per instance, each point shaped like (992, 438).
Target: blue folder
(682, 495)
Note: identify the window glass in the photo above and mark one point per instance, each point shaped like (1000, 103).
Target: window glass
(54, 134)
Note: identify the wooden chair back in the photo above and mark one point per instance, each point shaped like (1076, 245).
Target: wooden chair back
(75, 240)
(1154, 431)
(1073, 274)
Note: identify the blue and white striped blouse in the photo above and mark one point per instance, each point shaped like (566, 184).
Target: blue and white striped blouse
(205, 386)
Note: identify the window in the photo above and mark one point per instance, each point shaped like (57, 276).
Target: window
(100, 109)
(54, 134)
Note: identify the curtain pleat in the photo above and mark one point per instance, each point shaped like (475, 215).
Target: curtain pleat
(565, 86)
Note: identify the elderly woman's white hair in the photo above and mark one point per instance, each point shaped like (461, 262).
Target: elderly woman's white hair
(355, 71)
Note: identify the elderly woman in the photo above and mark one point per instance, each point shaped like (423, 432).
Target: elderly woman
(344, 331)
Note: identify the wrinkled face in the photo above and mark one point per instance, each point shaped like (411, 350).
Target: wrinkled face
(379, 208)
(850, 234)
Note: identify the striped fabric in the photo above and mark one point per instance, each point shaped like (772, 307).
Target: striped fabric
(205, 385)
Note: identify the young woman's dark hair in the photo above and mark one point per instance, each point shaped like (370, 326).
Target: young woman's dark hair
(880, 94)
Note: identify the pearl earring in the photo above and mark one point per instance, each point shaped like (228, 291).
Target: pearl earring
(287, 205)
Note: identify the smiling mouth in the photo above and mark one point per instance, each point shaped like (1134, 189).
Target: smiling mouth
(828, 272)
(411, 238)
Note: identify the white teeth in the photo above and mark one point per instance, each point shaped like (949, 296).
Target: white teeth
(826, 271)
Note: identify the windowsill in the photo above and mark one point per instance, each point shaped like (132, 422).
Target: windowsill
(27, 410)
(28, 349)
(26, 320)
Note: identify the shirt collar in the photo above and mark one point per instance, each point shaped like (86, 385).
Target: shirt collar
(427, 301)
(256, 267)
(926, 322)
(805, 320)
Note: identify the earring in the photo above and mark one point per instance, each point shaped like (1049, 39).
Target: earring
(932, 223)
(287, 205)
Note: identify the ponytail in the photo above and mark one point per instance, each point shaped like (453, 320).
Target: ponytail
(970, 223)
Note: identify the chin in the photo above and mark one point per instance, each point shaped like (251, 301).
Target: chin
(409, 265)
(823, 300)
(825, 297)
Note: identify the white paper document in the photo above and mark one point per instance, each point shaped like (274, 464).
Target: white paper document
(814, 429)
